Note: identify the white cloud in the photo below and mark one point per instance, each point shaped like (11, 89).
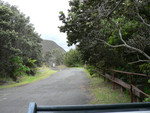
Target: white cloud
(44, 15)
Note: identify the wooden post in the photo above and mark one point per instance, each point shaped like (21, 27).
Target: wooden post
(113, 79)
(131, 93)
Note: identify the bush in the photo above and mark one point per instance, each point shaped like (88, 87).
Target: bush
(31, 65)
(147, 99)
(17, 67)
(91, 69)
(73, 58)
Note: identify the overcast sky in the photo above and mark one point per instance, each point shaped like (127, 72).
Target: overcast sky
(44, 15)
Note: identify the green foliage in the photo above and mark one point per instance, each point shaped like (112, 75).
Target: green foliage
(87, 30)
(147, 90)
(88, 26)
(18, 42)
(18, 66)
(104, 94)
(54, 56)
(47, 58)
(109, 38)
(72, 58)
(145, 68)
(91, 69)
(32, 66)
(58, 56)
(31, 61)
(42, 72)
(147, 100)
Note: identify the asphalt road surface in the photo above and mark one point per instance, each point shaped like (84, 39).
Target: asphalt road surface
(66, 87)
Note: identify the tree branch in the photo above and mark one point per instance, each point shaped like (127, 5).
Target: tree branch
(120, 34)
(139, 51)
(130, 47)
(139, 61)
(143, 20)
(115, 8)
(114, 46)
(140, 15)
(125, 44)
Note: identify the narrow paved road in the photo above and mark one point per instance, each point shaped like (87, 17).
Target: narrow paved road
(67, 87)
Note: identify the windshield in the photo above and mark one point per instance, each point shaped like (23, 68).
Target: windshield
(74, 52)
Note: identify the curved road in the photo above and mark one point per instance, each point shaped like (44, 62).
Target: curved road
(67, 87)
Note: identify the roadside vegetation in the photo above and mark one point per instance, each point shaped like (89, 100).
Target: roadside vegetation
(111, 35)
(103, 93)
(20, 49)
(42, 72)
(73, 58)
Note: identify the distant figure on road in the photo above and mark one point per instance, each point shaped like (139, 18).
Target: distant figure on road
(53, 64)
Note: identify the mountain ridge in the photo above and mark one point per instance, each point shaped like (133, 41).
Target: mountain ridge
(49, 45)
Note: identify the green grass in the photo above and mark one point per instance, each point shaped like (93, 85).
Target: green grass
(76, 67)
(42, 73)
(103, 93)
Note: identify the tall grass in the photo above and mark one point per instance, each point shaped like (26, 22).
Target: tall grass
(103, 93)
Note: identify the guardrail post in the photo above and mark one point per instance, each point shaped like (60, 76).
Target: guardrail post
(113, 79)
(99, 72)
(131, 93)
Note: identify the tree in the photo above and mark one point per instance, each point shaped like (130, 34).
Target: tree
(73, 58)
(8, 37)
(18, 41)
(57, 56)
(29, 40)
(48, 58)
(117, 26)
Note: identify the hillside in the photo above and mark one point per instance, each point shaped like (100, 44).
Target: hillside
(52, 53)
(49, 45)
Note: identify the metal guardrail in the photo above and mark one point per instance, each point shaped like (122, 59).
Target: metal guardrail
(110, 108)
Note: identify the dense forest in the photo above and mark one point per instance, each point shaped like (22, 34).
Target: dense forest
(20, 48)
(110, 34)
